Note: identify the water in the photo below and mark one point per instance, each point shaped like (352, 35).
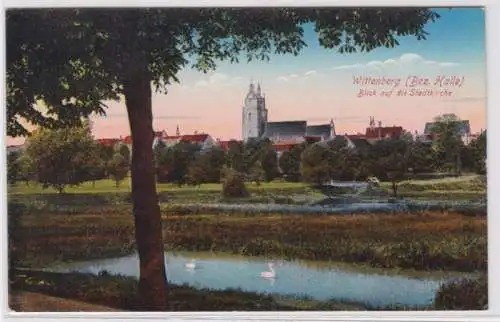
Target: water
(320, 282)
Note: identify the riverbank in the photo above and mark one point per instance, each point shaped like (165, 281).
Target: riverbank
(120, 293)
(49, 228)
(420, 240)
(86, 292)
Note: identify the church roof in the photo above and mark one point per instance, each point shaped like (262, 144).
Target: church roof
(318, 130)
(285, 129)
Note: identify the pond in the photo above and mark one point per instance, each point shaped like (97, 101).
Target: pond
(316, 280)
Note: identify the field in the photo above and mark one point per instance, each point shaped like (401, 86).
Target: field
(91, 222)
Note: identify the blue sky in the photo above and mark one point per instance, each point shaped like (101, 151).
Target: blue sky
(317, 85)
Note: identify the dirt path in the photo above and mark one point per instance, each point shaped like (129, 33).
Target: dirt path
(20, 301)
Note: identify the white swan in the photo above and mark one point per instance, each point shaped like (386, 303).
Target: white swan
(191, 264)
(270, 274)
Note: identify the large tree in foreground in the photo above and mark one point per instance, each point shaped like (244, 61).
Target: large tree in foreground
(72, 60)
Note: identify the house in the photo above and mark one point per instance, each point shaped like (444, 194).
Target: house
(158, 136)
(374, 133)
(205, 141)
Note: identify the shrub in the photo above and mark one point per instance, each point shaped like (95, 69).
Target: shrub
(234, 185)
(463, 294)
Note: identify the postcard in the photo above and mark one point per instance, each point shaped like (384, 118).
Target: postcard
(247, 159)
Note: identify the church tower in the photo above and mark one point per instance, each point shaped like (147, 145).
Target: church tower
(254, 113)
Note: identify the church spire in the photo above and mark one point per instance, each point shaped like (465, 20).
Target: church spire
(258, 89)
(251, 90)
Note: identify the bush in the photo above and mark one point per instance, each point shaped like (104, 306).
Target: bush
(464, 294)
(234, 185)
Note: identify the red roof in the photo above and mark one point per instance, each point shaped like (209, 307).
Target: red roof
(108, 142)
(197, 138)
(390, 131)
(127, 139)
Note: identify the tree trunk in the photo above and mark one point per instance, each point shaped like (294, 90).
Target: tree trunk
(147, 217)
(395, 188)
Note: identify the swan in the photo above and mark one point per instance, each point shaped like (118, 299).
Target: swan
(191, 264)
(270, 274)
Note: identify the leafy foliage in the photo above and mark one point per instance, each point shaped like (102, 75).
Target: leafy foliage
(13, 167)
(60, 157)
(233, 185)
(118, 168)
(463, 294)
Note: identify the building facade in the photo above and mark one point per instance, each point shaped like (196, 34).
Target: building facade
(255, 124)
(254, 114)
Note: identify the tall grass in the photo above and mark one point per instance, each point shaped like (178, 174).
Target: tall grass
(421, 240)
(463, 294)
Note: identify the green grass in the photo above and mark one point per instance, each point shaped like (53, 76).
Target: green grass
(108, 186)
(470, 187)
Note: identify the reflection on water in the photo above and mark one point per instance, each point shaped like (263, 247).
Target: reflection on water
(292, 278)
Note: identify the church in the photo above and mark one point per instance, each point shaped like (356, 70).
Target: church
(255, 124)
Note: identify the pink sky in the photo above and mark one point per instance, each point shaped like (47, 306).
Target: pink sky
(213, 103)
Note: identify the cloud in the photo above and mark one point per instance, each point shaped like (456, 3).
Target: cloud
(288, 78)
(354, 66)
(306, 75)
(311, 73)
(405, 60)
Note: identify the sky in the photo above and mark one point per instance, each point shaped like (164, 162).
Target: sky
(318, 85)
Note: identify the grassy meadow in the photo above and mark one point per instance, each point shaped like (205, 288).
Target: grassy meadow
(95, 221)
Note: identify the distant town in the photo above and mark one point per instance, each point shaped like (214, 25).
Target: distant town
(284, 135)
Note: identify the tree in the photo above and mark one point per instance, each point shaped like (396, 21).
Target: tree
(257, 173)
(269, 163)
(479, 150)
(195, 174)
(395, 167)
(26, 170)
(96, 168)
(118, 168)
(448, 142)
(60, 157)
(74, 59)
(289, 162)
(233, 184)
(124, 151)
(163, 160)
(314, 164)
(421, 157)
(235, 157)
(211, 162)
(183, 155)
(13, 167)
